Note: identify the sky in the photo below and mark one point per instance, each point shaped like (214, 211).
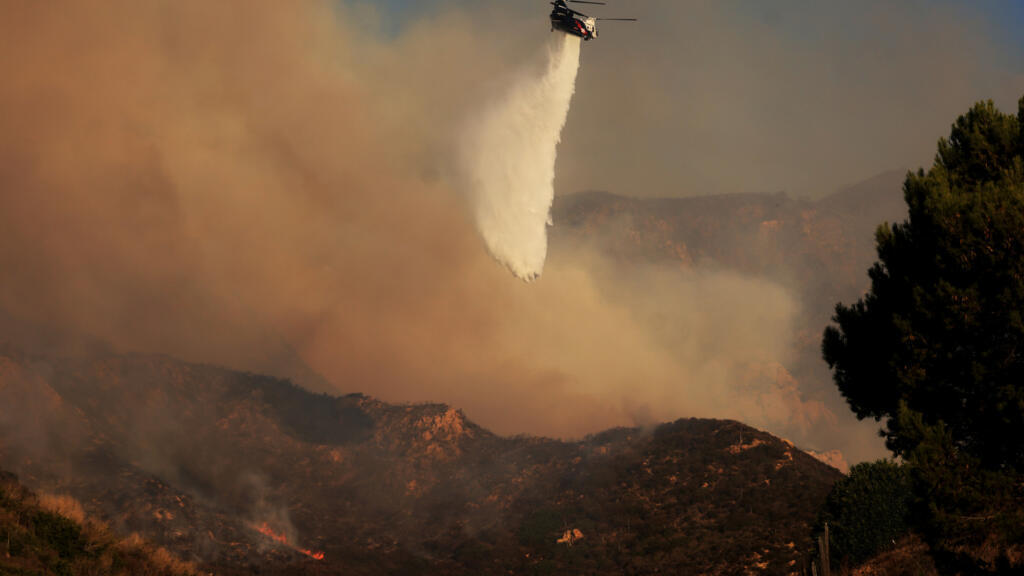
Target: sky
(1005, 16)
(746, 96)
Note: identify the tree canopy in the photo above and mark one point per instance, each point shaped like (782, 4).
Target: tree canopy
(940, 335)
(936, 346)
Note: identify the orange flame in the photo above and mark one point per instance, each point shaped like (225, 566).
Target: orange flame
(267, 531)
(280, 538)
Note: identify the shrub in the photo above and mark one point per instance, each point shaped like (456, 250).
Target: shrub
(867, 511)
(62, 534)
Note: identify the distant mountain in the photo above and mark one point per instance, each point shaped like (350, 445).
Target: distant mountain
(819, 249)
(244, 473)
(868, 203)
(825, 246)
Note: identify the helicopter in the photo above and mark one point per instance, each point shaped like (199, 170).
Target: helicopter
(576, 23)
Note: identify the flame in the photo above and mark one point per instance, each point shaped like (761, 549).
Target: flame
(280, 538)
(267, 531)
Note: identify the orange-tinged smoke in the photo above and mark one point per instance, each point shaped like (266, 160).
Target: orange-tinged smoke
(261, 184)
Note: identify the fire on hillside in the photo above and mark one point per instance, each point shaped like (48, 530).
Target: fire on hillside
(280, 538)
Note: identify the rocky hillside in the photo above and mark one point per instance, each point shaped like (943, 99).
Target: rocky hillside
(240, 472)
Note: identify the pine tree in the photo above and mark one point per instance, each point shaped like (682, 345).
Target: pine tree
(936, 347)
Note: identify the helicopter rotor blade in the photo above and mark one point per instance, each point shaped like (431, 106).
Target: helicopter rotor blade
(619, 19)
(586, 2)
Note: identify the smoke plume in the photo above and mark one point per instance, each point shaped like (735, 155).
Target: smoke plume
(265, 185)
(508, 158)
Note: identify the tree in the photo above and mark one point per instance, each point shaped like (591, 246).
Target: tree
(941, 332)
(936, 346)
(867, 511)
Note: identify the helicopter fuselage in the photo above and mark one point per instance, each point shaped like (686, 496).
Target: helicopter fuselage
(572, 22)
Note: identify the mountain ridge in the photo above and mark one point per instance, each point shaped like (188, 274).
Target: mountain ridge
(233, 470)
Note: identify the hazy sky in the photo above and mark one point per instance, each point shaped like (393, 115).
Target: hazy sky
(750, 96)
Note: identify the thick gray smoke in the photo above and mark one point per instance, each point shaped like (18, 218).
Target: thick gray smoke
(508, 159)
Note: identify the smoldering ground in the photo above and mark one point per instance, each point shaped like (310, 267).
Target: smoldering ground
(267, 186)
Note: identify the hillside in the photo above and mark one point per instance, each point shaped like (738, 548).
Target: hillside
(44, 535)
(235, 470)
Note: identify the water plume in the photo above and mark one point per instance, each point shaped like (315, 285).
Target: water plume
(508, 160)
